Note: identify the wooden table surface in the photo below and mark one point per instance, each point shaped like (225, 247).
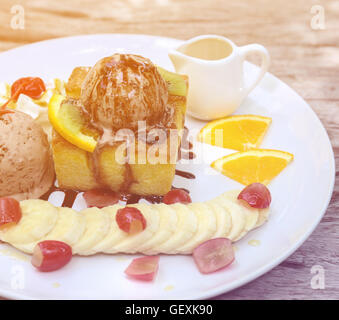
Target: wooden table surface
(303, 56)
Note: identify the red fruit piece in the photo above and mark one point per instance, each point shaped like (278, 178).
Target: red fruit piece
(10, 211)
(144, 268)
(213, 255)
(30, 86)
(130, 220)
(100, 198)
(177, 195)
(51, 255)
(256, 195)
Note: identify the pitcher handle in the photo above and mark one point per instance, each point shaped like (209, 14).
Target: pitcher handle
(265, 62)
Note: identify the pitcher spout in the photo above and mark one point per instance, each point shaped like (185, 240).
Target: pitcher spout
(178, 59)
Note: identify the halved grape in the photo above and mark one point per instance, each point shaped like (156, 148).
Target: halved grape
(130, 220)
(213, 255)
(177, 195)
(50, 255)
(256, 195)
(100, 198)
(144, 268)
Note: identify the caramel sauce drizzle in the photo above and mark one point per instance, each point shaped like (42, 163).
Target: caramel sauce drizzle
(184, 174)
(70, 195)
(135, 198)
(175, 188)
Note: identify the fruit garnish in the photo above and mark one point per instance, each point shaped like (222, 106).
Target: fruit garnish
(100, 198)
(241, 132)
(32, 87)
(51, 255)
(259, 165)
(213, 255)
(176, 195)
(130, 220)
(256, 195)
(10, 212)
(73, 85)
(144, 268)
(59, 87)
(177, 83)
(68, 121)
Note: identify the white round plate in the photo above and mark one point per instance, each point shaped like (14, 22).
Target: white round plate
(300, 193)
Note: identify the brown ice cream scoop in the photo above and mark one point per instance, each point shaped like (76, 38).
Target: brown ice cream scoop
(123, 89)
(26, 164)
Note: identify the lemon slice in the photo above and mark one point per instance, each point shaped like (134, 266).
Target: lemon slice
(68, 122)
(241, 132)
(259, 165)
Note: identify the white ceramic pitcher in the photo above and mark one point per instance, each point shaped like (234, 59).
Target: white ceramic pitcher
(214, 65)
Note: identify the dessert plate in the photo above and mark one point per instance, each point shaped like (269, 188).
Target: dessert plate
(300, 194)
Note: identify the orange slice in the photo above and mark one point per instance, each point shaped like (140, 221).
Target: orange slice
(258, 165)
(243, 132)
(68, 122)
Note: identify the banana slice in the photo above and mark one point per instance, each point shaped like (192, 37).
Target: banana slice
(38, 219)
(69, 227)
(97, 225)
(131, 243)
(254, 217)
(167, 226)
(26, 247)
(252, 214)
(207, 226)
(187, 225)
(114, 234)
(263, 216)
(237, 214)
(224, 220)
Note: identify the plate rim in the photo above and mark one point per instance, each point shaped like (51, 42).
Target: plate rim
(266, 267)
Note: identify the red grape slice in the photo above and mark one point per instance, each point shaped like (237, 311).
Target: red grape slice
(100, 198)
(144, 268)
(213, 255)
(256, 195)
(177, 195)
